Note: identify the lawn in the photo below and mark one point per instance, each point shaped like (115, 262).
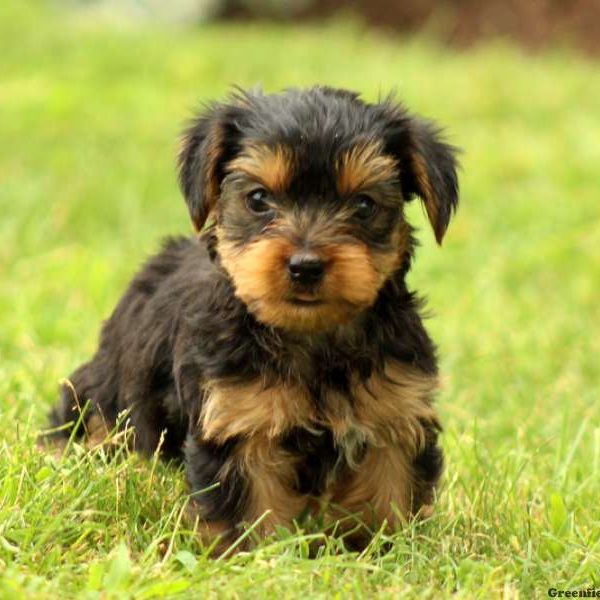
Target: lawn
(89, 115)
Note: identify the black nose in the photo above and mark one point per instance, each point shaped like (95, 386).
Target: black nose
(306, 268)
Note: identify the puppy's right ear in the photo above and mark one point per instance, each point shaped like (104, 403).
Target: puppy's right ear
(206, 146)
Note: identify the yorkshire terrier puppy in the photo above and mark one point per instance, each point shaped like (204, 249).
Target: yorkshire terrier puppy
(279, 352)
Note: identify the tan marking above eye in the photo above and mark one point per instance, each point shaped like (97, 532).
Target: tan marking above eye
(271, 166)
(363, 166)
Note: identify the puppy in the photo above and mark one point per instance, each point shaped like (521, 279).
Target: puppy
(279, 352)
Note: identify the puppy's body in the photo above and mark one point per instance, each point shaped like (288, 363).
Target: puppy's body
(280, 352)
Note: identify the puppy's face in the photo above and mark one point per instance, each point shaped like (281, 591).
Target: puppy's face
(307, 191)
(308, 249)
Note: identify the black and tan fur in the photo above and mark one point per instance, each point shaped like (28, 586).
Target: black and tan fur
(289, 396)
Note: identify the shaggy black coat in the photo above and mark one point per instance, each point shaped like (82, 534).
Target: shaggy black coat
(180, 324)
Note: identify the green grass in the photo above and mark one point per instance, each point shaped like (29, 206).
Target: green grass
(88, 121)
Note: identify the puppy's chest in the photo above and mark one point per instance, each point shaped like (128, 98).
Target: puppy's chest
(380, 409)
(274, 410)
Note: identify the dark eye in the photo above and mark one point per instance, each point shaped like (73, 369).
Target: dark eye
(364, 207)
(256, 201)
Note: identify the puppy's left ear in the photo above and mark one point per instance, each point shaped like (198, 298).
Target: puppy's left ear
(205, 147)
(428, 168)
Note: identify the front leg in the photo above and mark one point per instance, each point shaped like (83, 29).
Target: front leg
(219, 491)
(237, 482)
(390, 485)
(396, 477)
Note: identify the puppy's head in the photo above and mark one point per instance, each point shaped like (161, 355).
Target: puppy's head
(307, 190)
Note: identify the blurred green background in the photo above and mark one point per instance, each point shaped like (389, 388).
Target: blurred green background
(92, 98)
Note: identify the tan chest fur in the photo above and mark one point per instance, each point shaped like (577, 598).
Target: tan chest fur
(388, 408)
